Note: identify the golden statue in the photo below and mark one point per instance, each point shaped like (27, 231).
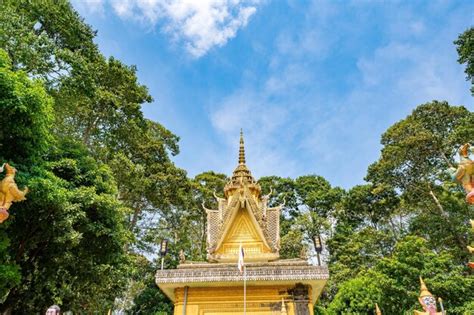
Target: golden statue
(9, 191)
(464, 174)
(427, 301)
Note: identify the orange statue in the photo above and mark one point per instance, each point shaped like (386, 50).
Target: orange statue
(464, 174)
(9, 191)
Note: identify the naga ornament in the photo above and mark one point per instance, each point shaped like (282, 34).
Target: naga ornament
(9, 191)
(464, 174)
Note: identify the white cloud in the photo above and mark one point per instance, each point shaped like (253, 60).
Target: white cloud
(199, 25)
(296, 126)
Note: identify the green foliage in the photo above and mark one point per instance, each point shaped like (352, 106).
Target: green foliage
(409, 196)
(45, 38)
(23, 103)
(71, 218)
(150, 300)
(417, 148)
(27, 113)
(416, 152)
(9, 271)
(465, 48)
(123, 175)
(142, 296)
(308, 202)
(393, 282)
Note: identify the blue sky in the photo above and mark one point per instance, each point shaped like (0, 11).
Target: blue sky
(313, 84)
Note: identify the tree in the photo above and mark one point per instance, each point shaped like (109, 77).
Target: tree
(71, 217)
(317, 203)
(465, 48)
(204, 188)
(27, 113)
(97, 102)
(23, 102)
(415, 153)
(408, 194)
(45, 38)
(393, 282)
(283, 192)
(144, 296)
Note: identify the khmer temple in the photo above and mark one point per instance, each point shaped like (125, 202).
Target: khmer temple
(272, 285)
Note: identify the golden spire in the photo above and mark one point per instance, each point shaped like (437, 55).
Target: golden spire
(377, 310)
(241, 175)
(242, 148)
(424, 290)
(283, 307)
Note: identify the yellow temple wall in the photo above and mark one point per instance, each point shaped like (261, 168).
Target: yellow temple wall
(229, 301)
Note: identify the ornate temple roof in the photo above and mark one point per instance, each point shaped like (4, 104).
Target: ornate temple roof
(243, 217)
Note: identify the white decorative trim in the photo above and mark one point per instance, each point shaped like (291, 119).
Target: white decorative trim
(273, 273)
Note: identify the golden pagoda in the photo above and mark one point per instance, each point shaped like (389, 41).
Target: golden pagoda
(268, 285)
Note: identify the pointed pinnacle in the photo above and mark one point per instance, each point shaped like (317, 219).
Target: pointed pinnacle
(241, 149)
(424, 290)
(377, 310)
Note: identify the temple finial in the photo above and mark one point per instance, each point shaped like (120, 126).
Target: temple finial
(423, 289)
(283, 308)
(241, 149)
(377, 310)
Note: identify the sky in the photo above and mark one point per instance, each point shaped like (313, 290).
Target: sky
(313, 84)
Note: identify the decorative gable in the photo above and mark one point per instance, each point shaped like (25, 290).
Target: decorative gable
(243, 217)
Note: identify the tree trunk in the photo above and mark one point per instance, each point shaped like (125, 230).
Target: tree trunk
(134, 220)
(443, 214)
(7, 311)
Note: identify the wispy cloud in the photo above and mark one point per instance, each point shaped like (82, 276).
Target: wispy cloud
(299, 127)
(199, 25)
(313, 84)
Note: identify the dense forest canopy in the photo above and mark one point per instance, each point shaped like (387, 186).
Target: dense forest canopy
(104, 189)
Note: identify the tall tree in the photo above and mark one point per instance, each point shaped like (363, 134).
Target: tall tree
(415, 153)
(71, 216)
(465, 48)
(393, 282)
(283, 192)
(45, 39)
(317, 204)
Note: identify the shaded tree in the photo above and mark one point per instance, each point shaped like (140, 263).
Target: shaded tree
(465, 48)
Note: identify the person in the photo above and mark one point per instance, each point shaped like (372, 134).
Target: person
(53, 310)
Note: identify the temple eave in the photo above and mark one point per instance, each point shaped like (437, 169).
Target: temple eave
(216, 275)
